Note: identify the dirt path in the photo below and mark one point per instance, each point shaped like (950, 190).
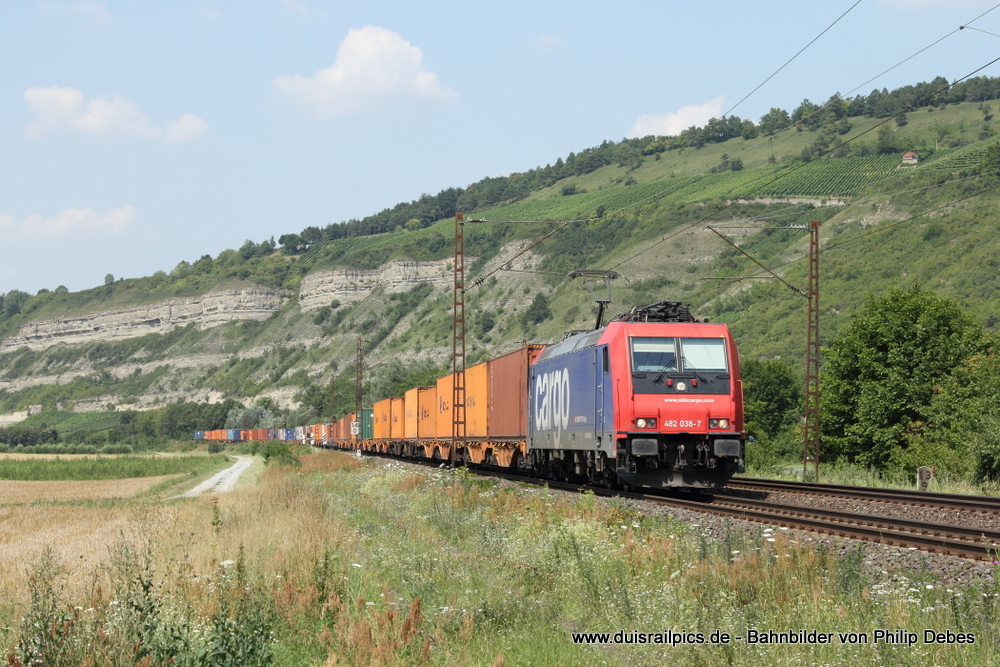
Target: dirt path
(220, 482)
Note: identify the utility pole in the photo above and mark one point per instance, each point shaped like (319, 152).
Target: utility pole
(811, 427)
(458, 343)
(359, 360)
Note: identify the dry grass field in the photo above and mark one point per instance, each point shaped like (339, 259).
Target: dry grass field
(49, 457)
(354, 563)
(15, 492)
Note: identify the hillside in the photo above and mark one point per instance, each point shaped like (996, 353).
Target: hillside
(263, 322)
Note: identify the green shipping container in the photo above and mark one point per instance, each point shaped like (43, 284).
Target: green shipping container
(367, 430)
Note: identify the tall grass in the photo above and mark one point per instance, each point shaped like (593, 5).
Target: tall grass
(119, 467)
(340, 562)
(842, 472)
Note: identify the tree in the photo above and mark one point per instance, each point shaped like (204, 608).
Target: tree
(772, 395)
(537, 312)
(108, 279)
(879, 376)
(14, 301)
(963, 430)
(774, 121)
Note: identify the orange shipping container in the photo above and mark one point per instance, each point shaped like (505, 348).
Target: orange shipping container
(397, 417)
(380, 419)
(508, 391)
(445, 387)
(427, 413)
(412, 403)
(421, 414)
(477, 400)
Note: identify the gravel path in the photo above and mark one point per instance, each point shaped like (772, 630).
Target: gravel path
(221, 482)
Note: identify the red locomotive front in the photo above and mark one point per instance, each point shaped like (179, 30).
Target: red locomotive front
(678, 403)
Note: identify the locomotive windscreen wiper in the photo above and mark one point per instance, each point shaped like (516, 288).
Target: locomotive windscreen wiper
(698, 375)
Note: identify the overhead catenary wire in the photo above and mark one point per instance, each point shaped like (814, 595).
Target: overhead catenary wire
(822, 154)
(789, 61)
(878, 230)
(819, 109)
(740, 224)
(479, 280)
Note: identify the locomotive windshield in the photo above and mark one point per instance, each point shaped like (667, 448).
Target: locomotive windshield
(704, 354)
(653, 355)
(665, 365)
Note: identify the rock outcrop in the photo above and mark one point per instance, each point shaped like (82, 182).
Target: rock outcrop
(319, 288)
(206, 310)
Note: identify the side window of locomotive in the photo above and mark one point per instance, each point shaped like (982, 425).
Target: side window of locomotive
(654, 355)
(707, 355)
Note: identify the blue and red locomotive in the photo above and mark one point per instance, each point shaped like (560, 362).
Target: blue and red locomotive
(652, 399)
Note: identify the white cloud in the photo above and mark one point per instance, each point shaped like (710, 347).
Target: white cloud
(186, 128)
(373, 66)
(671, 124)
(209, 11)
(546, 42)
(98, 12)
(59, 109)
(72, 223)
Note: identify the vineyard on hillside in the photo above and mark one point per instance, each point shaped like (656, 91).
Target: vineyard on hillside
(838, 177)
(968, 157)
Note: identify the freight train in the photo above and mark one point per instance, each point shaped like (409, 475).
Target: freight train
(653, 399)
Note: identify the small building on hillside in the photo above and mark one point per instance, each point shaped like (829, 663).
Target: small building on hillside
(910, 157)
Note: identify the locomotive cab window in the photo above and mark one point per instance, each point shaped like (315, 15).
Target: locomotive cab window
(668, 365)
(654, 355)
(707, 355)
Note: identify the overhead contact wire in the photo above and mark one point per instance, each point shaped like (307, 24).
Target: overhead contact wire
(775, 73)
(817, 157)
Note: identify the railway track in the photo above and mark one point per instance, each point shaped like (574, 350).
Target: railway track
(941, 538)
(896, 496)
(932, 537)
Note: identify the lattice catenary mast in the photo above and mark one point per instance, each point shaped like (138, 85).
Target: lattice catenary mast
(458, 343)
(811, 426)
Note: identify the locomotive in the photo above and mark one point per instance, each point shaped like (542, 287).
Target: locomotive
(653, 399)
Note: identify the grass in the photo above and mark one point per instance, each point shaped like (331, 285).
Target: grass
(346, 562)
(101, 468)
(850, 474)
(18, 492)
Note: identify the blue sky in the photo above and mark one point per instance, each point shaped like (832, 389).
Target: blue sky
(138, 134)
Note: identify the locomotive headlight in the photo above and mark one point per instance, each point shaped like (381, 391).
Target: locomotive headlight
(718, 423)
(645, 423)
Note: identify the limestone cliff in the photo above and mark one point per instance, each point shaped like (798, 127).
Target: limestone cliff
(206, 310)
(319, 288)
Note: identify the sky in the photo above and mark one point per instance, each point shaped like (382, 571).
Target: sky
(137, 134)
